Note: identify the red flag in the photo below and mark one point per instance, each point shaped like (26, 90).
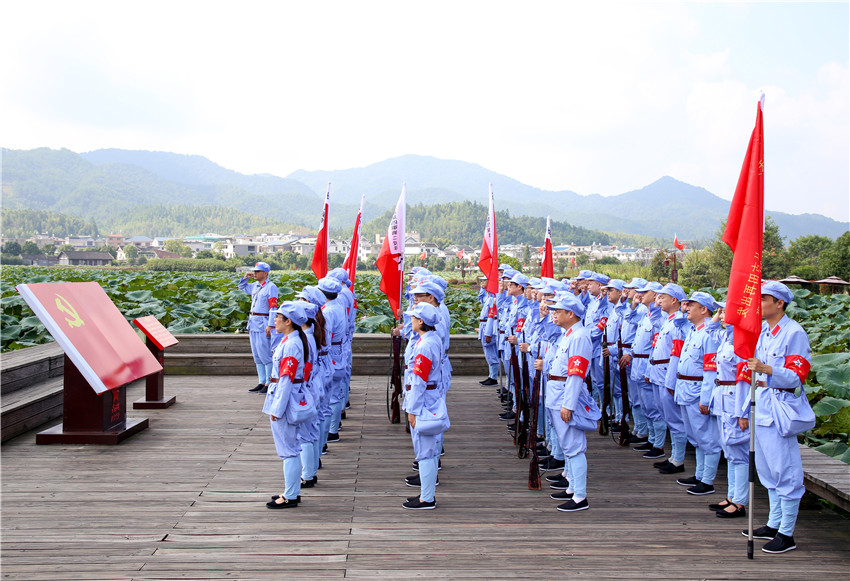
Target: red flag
(320, 253)
(350, 263)
(744, 235)
(573, 260)
(460, 254)
(678, 244)
(423, 256)
(547, 268)
(391, 258)
(489, 260)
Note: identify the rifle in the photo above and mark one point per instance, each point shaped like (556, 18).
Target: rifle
(395, 381)
(517, 390)
(522, 427)
(624, 391)
(606, 394)
(533, 468)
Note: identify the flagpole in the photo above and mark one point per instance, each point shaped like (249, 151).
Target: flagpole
(752, 459)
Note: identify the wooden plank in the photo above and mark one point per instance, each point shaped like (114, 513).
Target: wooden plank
(186, 500)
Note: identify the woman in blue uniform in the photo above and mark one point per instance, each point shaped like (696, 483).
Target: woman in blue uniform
(308, 432)
(423, 395)
(287, 374)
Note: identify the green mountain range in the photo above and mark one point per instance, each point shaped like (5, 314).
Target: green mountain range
(167, 194)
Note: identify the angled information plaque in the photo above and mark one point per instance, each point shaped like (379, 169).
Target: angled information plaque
(158, 338)
(102, 355)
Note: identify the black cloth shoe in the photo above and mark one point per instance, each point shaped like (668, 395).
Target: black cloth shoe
(415, 466)
(615, 427)
(488, 382)
(264, 390)
(554, 477)
(653, 453)
(563, 495)
(348, 405)
(764, 532)
(552, 464)
(342, 415)
(720, 505)
(701, 488)
(414, 480)
(507, 416)
(561, 484)
(258, 388)
(443, 451)
(309, 483)
(419, 505)
(780, 544)
(662, 464)
(737, 513)
(671, 469)
(333, 437)
(572, 506)
(690, 481)
(287, 503)
(320, 463)
(638, 439)
(645, 447)
(297, 498)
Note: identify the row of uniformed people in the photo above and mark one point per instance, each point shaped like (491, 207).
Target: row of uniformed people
(308, 375)
(682, 371)
(427, 378)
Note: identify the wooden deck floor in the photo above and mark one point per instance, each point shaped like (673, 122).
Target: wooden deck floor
(185, 499)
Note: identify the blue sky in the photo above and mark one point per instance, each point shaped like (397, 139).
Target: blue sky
(601, 97)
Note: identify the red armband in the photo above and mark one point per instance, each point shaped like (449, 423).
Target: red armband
(288, 367)
(272, 302)
(577, 366)
(743, 372)
(422, 367)
(677, 348)
(519, 325)
(709, 362)
(799, 365)
(654, 339)
(602, 323)
(491, 313)
(308, 367)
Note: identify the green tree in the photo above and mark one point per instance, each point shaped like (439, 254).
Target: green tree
(606, 260)
(335, 260)
(696, 270)
(835, 261)
(657, 269)
(64, 248)
(514, 262)
(178, 247)
(12, 248)
(204, 254)
(804, 255)
(131, 252)
(30, 247)
(526, 255)
(141, 261)
(582, 260)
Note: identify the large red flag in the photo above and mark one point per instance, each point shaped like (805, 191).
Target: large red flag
(489, 259)
(350, 263)
(391, 258)
(744, 235)
(547, 268)
(320, 253)
(678, 244)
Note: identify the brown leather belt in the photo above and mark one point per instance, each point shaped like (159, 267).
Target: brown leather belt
(296, 381)
(556, 378)
(428, 387)
(609, 343)
(640, 355)
(723, 382)
(482, 320)
(623, 345)
(337, 343)
(788, 389)
(660, 361)
(688, 377)
(322, 353)
(260, 314)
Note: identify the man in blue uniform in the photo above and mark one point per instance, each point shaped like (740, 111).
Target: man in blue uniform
(781, 364)
(261, 320)
(570, 408)
(595, 318)
(488, 332)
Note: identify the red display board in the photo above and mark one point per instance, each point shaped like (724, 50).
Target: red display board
(92, 331)
(156, 332)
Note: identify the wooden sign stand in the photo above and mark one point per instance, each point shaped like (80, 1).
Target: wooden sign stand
(89, 417)
(154, 389)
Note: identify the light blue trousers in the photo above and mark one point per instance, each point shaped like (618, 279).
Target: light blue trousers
(292, 477)
(783, 513)
(428, 478)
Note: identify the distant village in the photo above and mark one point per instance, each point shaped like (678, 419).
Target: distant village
(81, 251)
